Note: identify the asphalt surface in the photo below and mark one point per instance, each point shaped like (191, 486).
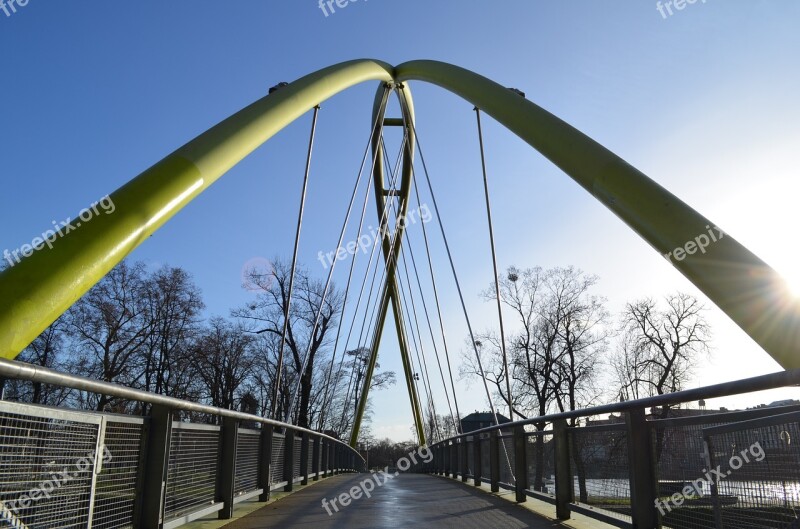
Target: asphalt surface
(405, 500)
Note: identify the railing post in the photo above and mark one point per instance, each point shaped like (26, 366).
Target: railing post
(710, 459)
(226, 479)
(304, 442)
(288, 460)
(494, 460)
(454, 459)
(150, 512)
(476, 460)
(464, 457)
(265, 462)
(332, 459)
(520, 463)
(564, 486)
(315, 458)
(326, 455)
(642, 472)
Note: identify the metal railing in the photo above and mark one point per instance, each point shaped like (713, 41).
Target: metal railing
(80, 469)
(630, 468)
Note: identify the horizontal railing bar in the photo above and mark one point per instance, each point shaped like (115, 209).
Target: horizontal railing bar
(247, 496)
(22, 371)
(178, 425)
(548, 498)
(731, 416)
(616, 427)
(187, 518)
(249, 431)
(725, 389)
(47, 412)
(594, 513)
(538, 433)
(772, 420)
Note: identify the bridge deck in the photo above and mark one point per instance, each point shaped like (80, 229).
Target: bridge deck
(408, 500)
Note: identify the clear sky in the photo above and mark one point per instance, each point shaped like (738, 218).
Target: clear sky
(704, 101)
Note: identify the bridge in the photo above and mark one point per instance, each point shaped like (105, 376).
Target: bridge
(608, 465)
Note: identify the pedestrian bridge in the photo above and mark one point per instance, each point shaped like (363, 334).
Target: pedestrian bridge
(181, 462)
(619, 465)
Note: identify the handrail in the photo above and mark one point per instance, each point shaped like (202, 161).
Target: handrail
(23, 371)
(725, 389)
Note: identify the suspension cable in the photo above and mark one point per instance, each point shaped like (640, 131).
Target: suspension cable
(376, 128)
(494, 265)
(455, 277)
(384, 220)
(344, 308)
(460, 292)
(420, 357)
(279, 367)
(387, 262)
(405, 325)
(455, 418)
(421, 351)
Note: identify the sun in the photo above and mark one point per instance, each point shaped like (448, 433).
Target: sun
(793, 283)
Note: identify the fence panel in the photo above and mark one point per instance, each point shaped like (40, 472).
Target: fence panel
(47, 464)
(115, 491)
(248, 452)
(193, 465)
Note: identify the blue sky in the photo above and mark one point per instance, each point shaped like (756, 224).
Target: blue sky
(704, 102)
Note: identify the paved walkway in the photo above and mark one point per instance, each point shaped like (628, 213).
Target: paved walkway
(407, 500)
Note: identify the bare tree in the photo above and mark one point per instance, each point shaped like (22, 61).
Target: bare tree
(554, 355)
(109, 325)
(583, 327)
(173, 304)
(304, 339)
(659, 349)
(224, 357)
(49, 350)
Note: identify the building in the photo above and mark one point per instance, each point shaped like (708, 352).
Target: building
(479, 420)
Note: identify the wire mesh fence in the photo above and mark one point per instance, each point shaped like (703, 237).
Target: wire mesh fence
(248, 451)
(471, 456)
(115, 490)
(297, 452)
(82, 469)
(600, 467)
(754, 471)
(539, 450)
(193, 465)
(310, 463)
(485, 455)
(47, 466)
(507, 460)
(276, 466)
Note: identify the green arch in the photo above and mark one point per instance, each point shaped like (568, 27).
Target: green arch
(40, 288)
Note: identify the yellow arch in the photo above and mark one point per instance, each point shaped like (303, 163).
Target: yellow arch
(40, 288)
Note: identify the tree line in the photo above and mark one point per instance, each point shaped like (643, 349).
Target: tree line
(567, 352)
(147, 330)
